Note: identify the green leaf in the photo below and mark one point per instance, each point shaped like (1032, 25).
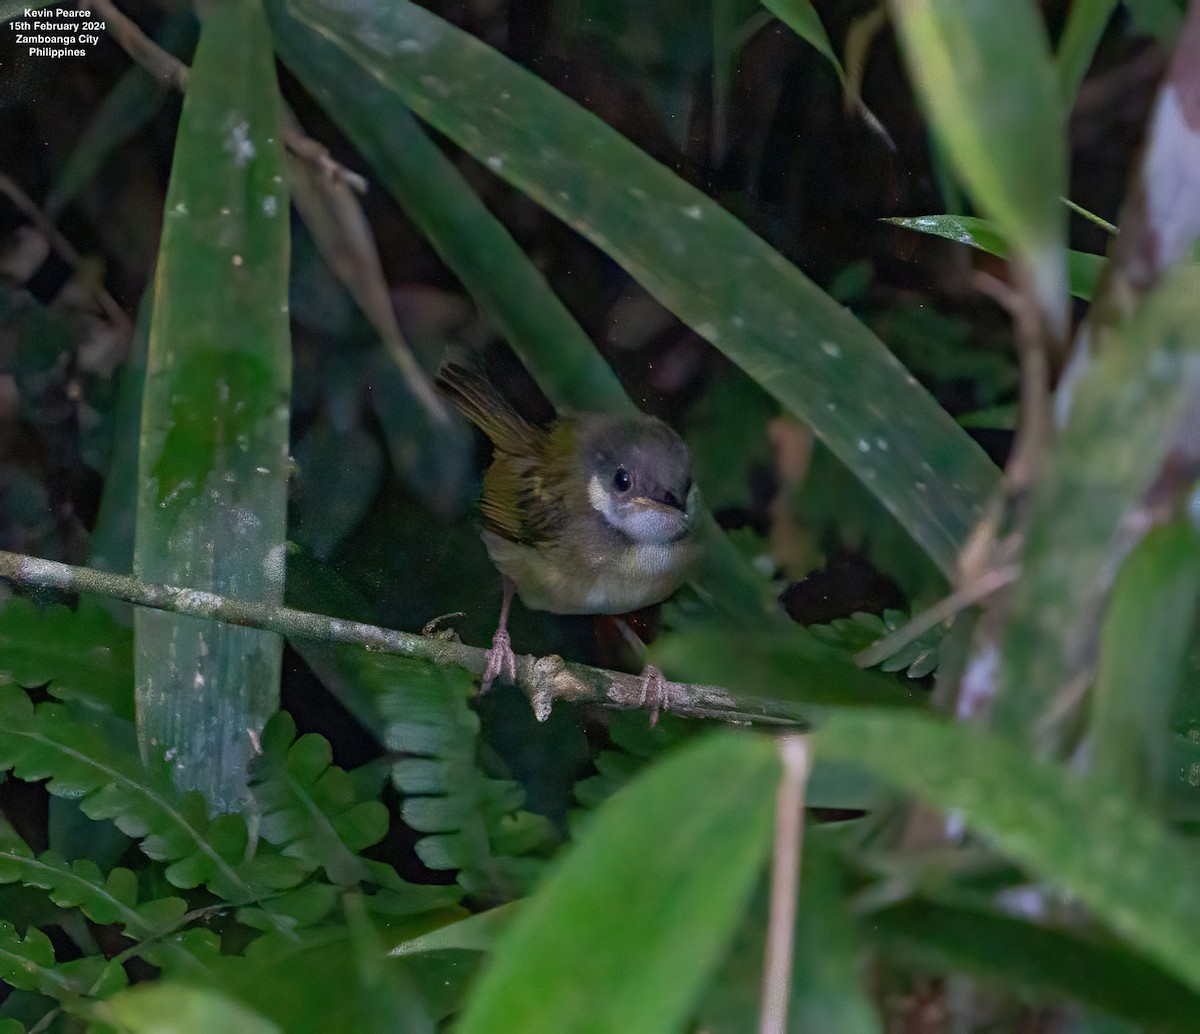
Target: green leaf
(697, 259)
(801, 17)
(78, 654)
(985, 76)
(790, 665)
(1036, 960)
(97, 765)
(828, 987)
(828, 981)
(29, 965)
(1083, 269)
(626, 892)
(477, 932)
(320, 982)
(81, 884)
(212, 472)
(1143, 644)
(10, 9)
(1085, 25)
(499, 276)
(465, 815)
(126, 108)
(334, 495)
(1125, 411)
(1077, 834)
(165, 1007)
(310, 808)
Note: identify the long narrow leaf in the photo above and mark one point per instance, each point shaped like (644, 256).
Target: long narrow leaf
(622, 936)
(1083, 269)
(985, 75)
(212, 470)
(1092, 842)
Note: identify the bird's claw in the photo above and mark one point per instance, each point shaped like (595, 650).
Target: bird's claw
(654, 692)
(501, 662)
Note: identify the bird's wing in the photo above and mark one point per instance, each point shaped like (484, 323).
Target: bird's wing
(525, 495)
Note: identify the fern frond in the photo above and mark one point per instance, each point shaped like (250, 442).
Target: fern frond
(106, 900)
(28, 964)
(469, 818)
(310, 808)
(78, 654)
(97, 764)
(860, 630)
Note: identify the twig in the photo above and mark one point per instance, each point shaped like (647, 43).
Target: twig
(169, 68)
(785, 884)
(980, 589)
(1091, 217)
(543, 679)
(66, 250)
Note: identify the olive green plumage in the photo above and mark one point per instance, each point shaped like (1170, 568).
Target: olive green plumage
(592, 514)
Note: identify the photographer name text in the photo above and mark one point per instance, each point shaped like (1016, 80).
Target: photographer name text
(56, 32)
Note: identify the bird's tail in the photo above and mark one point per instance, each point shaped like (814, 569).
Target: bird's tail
(480, 401)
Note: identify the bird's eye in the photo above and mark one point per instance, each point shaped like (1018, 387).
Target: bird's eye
(622, 480)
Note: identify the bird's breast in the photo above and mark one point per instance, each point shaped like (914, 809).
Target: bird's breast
(614, 580)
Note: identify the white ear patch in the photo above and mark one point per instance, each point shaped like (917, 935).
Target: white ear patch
(598, 497)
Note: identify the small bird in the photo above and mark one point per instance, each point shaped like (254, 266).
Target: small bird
(591, 514)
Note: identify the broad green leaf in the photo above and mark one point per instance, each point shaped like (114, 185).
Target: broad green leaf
(1085, 25)
(212, 471)
(1144, 641)
(10, 9)
(1161, 19)
(1078, 835)
(986, 79)
(1083, 269)
(1037, 960)
(499, 276)
(697, 259)
(169, 1008)
(1125, 413)
(642, 907)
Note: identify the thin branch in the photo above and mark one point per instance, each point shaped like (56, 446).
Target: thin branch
(543, 679)
(785, 884)
(169, 68)
(65, 249)
(969, 595)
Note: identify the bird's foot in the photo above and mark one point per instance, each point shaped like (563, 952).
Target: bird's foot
(654, 692)
(501, 662)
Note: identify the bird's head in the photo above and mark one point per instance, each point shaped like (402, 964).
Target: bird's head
(639, 478)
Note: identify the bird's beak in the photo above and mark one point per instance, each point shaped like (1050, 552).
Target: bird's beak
(668, 505)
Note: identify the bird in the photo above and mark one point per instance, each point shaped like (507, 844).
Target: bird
(592, 513)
